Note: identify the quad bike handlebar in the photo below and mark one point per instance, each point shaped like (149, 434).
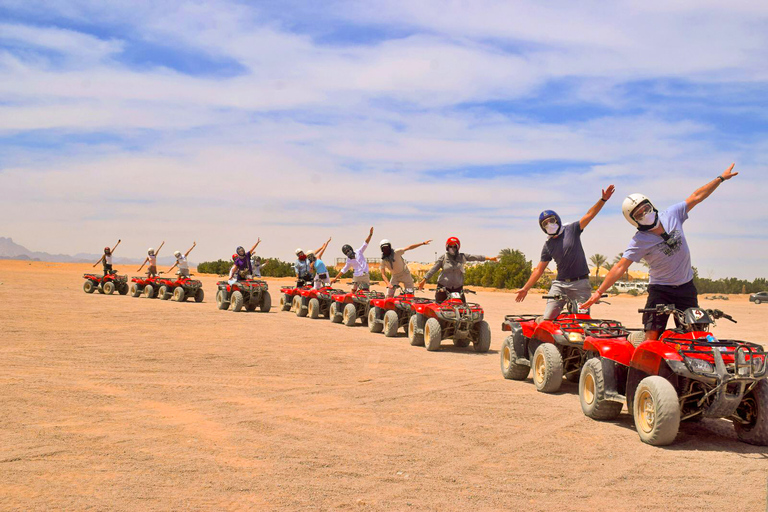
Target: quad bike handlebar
(463, 290)
(559, 296)
(667, 309)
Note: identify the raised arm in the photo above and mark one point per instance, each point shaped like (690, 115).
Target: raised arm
(254, 245)
(535, 275)
(704, 192)
(115, 247)
(613, 275)
(370, 234)
(161, 246)
(190, 249)
(587, 218)
(414, 246)
(320, 250)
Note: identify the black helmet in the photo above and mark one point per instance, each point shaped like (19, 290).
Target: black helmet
(348, 251)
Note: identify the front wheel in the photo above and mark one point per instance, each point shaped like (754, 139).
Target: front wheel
(237, 301)
(334, 313)
(135, 292)
(592, 393)
(757, 301)
(298, 303)
(123, 289)
(199, 295)
(547, 368)
(432, 334)
(109, 287)
(88, 286)
(656, 411)
(221, 302)
(374, 315)
(266, 302)
(350, 315)
(162, 293)
(510, 369)
(754, 411)
(483, 343)
(149, 291)
(285, 302)
(391, 323)
(416, 323)
(178, 294)
(314, 308)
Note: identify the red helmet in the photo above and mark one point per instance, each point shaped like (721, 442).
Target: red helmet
(107, 249)
(453, 241)
(234, 257)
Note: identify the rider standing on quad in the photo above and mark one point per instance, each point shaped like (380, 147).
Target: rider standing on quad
(242, 268)
(359, 265)
(393, 261)
(106, 258)
(181, 261)
(564, 246)
(317, 266)
(660, 241)
(152, 260)
(302, 265)
(452, 264)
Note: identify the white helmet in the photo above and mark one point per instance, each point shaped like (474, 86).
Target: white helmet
(385, 242)
(633, 211)
(151, 251)
(298, 251)
(177, 253)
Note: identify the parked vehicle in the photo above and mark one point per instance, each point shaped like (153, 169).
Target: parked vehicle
(759, 297)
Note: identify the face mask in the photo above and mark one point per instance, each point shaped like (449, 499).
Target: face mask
(302, 257)
(453, 251)
(552, 228)
(386, 250)
(649, 219)
(350, 255)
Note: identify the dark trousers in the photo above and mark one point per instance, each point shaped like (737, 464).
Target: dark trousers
(441, 295)
(683, 297)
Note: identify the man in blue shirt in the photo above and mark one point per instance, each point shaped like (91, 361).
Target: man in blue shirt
(660, 241)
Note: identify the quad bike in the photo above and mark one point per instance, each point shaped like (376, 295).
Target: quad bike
(248, 293)
(145, 285)
(179, 289)
(391, 313)
(287, 295)
(687, 374)
(453, 318)
(346, 308)
(107, 284)
(556, 347)
(314, 302)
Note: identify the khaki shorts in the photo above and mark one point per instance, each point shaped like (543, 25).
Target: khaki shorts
(363, 281)
(405, 280)
(152, 270)
(183, 272)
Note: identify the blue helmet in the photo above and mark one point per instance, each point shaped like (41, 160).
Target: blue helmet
(547, 214)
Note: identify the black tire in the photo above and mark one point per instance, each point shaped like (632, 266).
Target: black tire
(656, 411)
(592, 393)
(349, 316)
(237, 301)
(483, 343)
(109, 288)
(334, 313)
(461, 342)
(88, 286)
(285, 302)
(135, 291)
(123, 289)
(510, 369)
(758, 301)
(266, 302)
(755, 406)
(391, 323)
(199, 295)
(250, 306)
(178, 294)
(162, 293)
(416, 322)
(220, 302)
(313, 308)
(298, 306)
(149, 291)
(547, 367)
(374, 314)
(433, 334)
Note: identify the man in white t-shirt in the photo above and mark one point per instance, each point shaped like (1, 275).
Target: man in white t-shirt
(181, 262)
(359, 265)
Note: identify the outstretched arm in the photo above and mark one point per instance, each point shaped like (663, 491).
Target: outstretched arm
(173, 267)
(586, 219)
(142, 265)
(254, 245)
(320, 250)
(535, 275)
(615, 273)
(100, 260)
(368, 240)
(190, 249)
(414, 246)
(703, 192)
(115, 247)
(158, 249)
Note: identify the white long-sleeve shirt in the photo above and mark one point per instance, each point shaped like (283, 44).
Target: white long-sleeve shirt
(359, 264)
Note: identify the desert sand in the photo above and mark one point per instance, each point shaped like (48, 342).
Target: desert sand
(114, 402)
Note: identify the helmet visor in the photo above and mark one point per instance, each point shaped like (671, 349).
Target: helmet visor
(549, 220)
(641, 211)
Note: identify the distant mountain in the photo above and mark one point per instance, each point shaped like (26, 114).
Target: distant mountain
(9, 250)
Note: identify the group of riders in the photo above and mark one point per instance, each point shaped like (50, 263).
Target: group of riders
(659, 241)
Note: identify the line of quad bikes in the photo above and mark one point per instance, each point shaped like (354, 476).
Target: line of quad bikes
(686, 375)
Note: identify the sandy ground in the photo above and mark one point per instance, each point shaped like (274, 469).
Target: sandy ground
(111, 402)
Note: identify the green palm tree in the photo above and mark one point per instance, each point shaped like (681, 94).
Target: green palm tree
(598, 260)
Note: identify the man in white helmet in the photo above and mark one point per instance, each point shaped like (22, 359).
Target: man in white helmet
(393, 261)
(181, 261)
(660, 241)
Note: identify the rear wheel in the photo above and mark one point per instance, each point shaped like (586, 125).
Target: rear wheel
(178, 294)
(199, 295)
(237, 301)
(547, 368)
(149, 291)
(592, 393)
(221, 302)
(391, 323)
(162, 293)
(754, 411)
(109, 287)
(88, 286)
(335, 313)
(374, 314)
(432, 334)
(135, 291)
(416, 323)
(266, 302)
(313, 308)
(285, 302)
(656, 411)
(509, 367)
(350, 315)
(483, 343)
(461, 342)
(298, 306)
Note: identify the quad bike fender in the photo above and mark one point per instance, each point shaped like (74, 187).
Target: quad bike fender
(519, 340)
(548, 331)
(653, 364)
(618, 350)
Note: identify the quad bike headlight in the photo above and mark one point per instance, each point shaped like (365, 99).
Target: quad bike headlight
(449, 313)
(476, 315)
(699, 365)
(575, 337)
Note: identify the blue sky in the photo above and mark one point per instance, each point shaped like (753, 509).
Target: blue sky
(224, 121)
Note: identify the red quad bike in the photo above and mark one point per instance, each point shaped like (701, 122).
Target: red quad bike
(144, 285)
(554, 348)
(346, 308)
(180, 289)
(315, 303)
(391, 313)
(288, 294)
(687, 374)
(105, 284)
(251, 293)
(453, 318)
